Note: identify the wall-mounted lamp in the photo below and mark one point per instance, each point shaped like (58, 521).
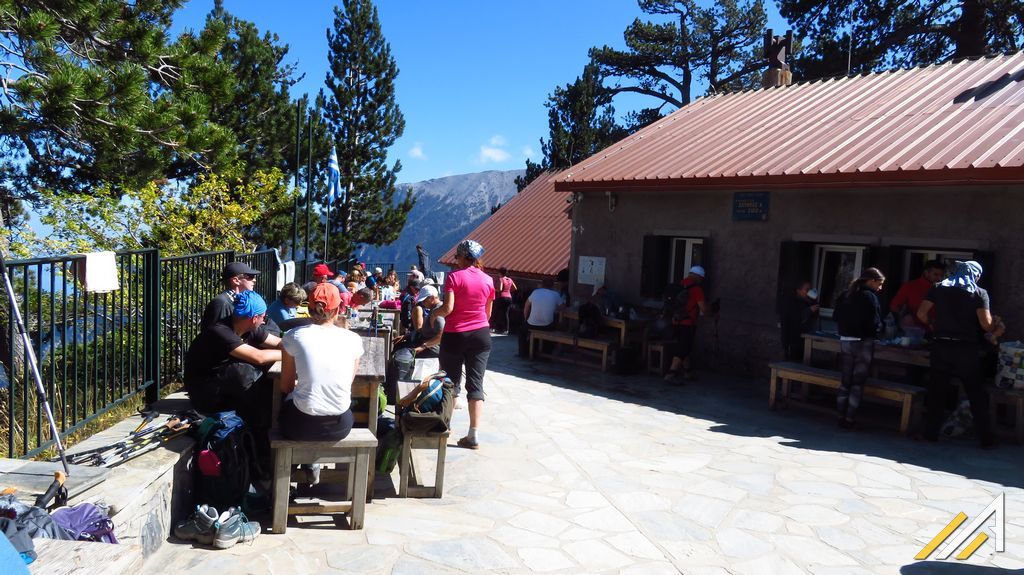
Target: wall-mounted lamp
(613, 200)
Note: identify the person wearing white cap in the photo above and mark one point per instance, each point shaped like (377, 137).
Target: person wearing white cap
(688, 302)
(428, 337)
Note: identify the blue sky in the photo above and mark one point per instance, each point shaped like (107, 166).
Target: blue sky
(473, 75)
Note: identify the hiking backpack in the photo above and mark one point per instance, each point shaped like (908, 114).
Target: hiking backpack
(223, 461)
(674, 303)
(590, 320)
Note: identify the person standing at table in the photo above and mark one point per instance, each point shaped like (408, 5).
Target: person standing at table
(798, 315)
(318, 363)
(858, 315)
(501, 305)
(962, 316)
(689, 305)
(468, 298)
(908, 298)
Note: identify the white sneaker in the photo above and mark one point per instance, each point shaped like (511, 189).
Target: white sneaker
(460, 403)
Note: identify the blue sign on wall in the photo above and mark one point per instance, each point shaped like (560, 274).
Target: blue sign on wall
(750, 206)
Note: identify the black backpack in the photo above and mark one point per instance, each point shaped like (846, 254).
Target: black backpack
(674, 303)
(224, 461)
(590, 321)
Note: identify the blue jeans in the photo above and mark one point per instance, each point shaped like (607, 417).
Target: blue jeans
(855, 358)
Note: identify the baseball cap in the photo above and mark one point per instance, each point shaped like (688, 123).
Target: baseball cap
(378, 271)
(425, 292)
(697, 271)
(236, 269)
(249, 304)
(322, 270)
(326, 294)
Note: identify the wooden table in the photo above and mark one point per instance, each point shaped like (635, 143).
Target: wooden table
(624, 326)
(891, 353)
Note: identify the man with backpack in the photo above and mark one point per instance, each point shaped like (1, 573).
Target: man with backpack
(685, 303)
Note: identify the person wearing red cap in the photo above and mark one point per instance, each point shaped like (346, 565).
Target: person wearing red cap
(318, 365)
(321, 273)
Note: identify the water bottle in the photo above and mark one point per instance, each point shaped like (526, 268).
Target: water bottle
(890, 328)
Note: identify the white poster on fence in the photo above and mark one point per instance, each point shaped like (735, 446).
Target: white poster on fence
(591, 271)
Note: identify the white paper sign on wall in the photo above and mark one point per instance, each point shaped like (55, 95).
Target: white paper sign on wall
(591, 270)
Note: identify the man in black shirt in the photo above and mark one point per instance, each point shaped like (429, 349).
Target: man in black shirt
(962, 317)
(226, 359)
(236, 278)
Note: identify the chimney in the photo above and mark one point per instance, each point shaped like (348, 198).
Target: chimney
(776, 48)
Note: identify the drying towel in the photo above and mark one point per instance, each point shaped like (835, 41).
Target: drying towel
(100, 272)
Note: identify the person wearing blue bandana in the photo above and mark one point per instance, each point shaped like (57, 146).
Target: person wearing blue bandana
(227, 359)
(962, 316)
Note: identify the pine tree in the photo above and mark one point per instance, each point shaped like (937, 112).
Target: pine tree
(581, 122)
(96, 94)
(720, 44)
(365, 121)
(895, 33)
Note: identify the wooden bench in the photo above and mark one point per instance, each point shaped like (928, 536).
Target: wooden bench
(783, 372)
(569, 339)
(1015, 399)
(408, 486)
(357, 450)
(656, 356)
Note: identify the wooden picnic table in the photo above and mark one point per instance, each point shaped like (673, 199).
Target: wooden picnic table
(624, 326)
(917, 356)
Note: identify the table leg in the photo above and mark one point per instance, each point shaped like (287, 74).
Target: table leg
(282, 480)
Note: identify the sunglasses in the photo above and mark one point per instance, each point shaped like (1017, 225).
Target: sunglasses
(249, 277)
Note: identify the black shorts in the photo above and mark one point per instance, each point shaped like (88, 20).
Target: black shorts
(684, 336)
(469, 348)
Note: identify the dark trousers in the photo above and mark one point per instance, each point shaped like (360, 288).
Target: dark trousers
(499, 318)
(855, 358)
(684, 336)
(298, 425)
(469, 348)
(961, 360)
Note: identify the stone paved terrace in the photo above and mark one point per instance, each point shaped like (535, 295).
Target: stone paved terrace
(583, 472)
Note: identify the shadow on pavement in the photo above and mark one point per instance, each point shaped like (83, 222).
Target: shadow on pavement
(739, 406)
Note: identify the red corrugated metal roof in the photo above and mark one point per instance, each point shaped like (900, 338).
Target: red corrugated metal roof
(960, 121)
(529, 235)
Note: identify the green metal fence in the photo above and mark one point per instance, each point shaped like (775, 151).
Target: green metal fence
(97, 350)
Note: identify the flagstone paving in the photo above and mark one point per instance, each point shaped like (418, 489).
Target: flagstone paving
(583, 472)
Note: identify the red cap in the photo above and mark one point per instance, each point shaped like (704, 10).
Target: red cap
(322, 270)
(326, 294)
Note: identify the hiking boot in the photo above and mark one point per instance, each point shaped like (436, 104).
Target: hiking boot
(200, 527)
(235, 527)
(467, 443)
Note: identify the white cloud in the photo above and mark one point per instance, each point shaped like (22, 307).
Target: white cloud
(529, 152)
(417, 152)
(498, 141)
(492, 154)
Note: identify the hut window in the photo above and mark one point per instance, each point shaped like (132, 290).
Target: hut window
(835, 267)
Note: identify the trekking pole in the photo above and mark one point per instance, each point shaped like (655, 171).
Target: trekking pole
(30, 356)
(55, 488)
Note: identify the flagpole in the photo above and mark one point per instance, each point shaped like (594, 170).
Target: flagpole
(327, 228)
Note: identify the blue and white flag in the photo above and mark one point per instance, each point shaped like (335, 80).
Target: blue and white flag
(334, 186)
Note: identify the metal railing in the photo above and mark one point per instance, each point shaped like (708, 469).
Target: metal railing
(97, 350)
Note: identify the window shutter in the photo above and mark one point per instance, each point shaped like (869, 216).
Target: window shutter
(796, 264)
(654, 264)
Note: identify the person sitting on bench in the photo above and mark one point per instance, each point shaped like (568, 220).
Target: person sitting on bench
(317, 368)
(428, 338)
(227, 359)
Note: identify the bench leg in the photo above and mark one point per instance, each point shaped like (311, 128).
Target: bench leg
(604, 359)
(442, 447)
(404, 463)
(1018, 420)
(531, 342)
(908, 408)
(282, 479)
(362, 473)
(772, 383)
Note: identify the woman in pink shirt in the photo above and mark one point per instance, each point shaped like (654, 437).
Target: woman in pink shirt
(469, 295)
(501, 305)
